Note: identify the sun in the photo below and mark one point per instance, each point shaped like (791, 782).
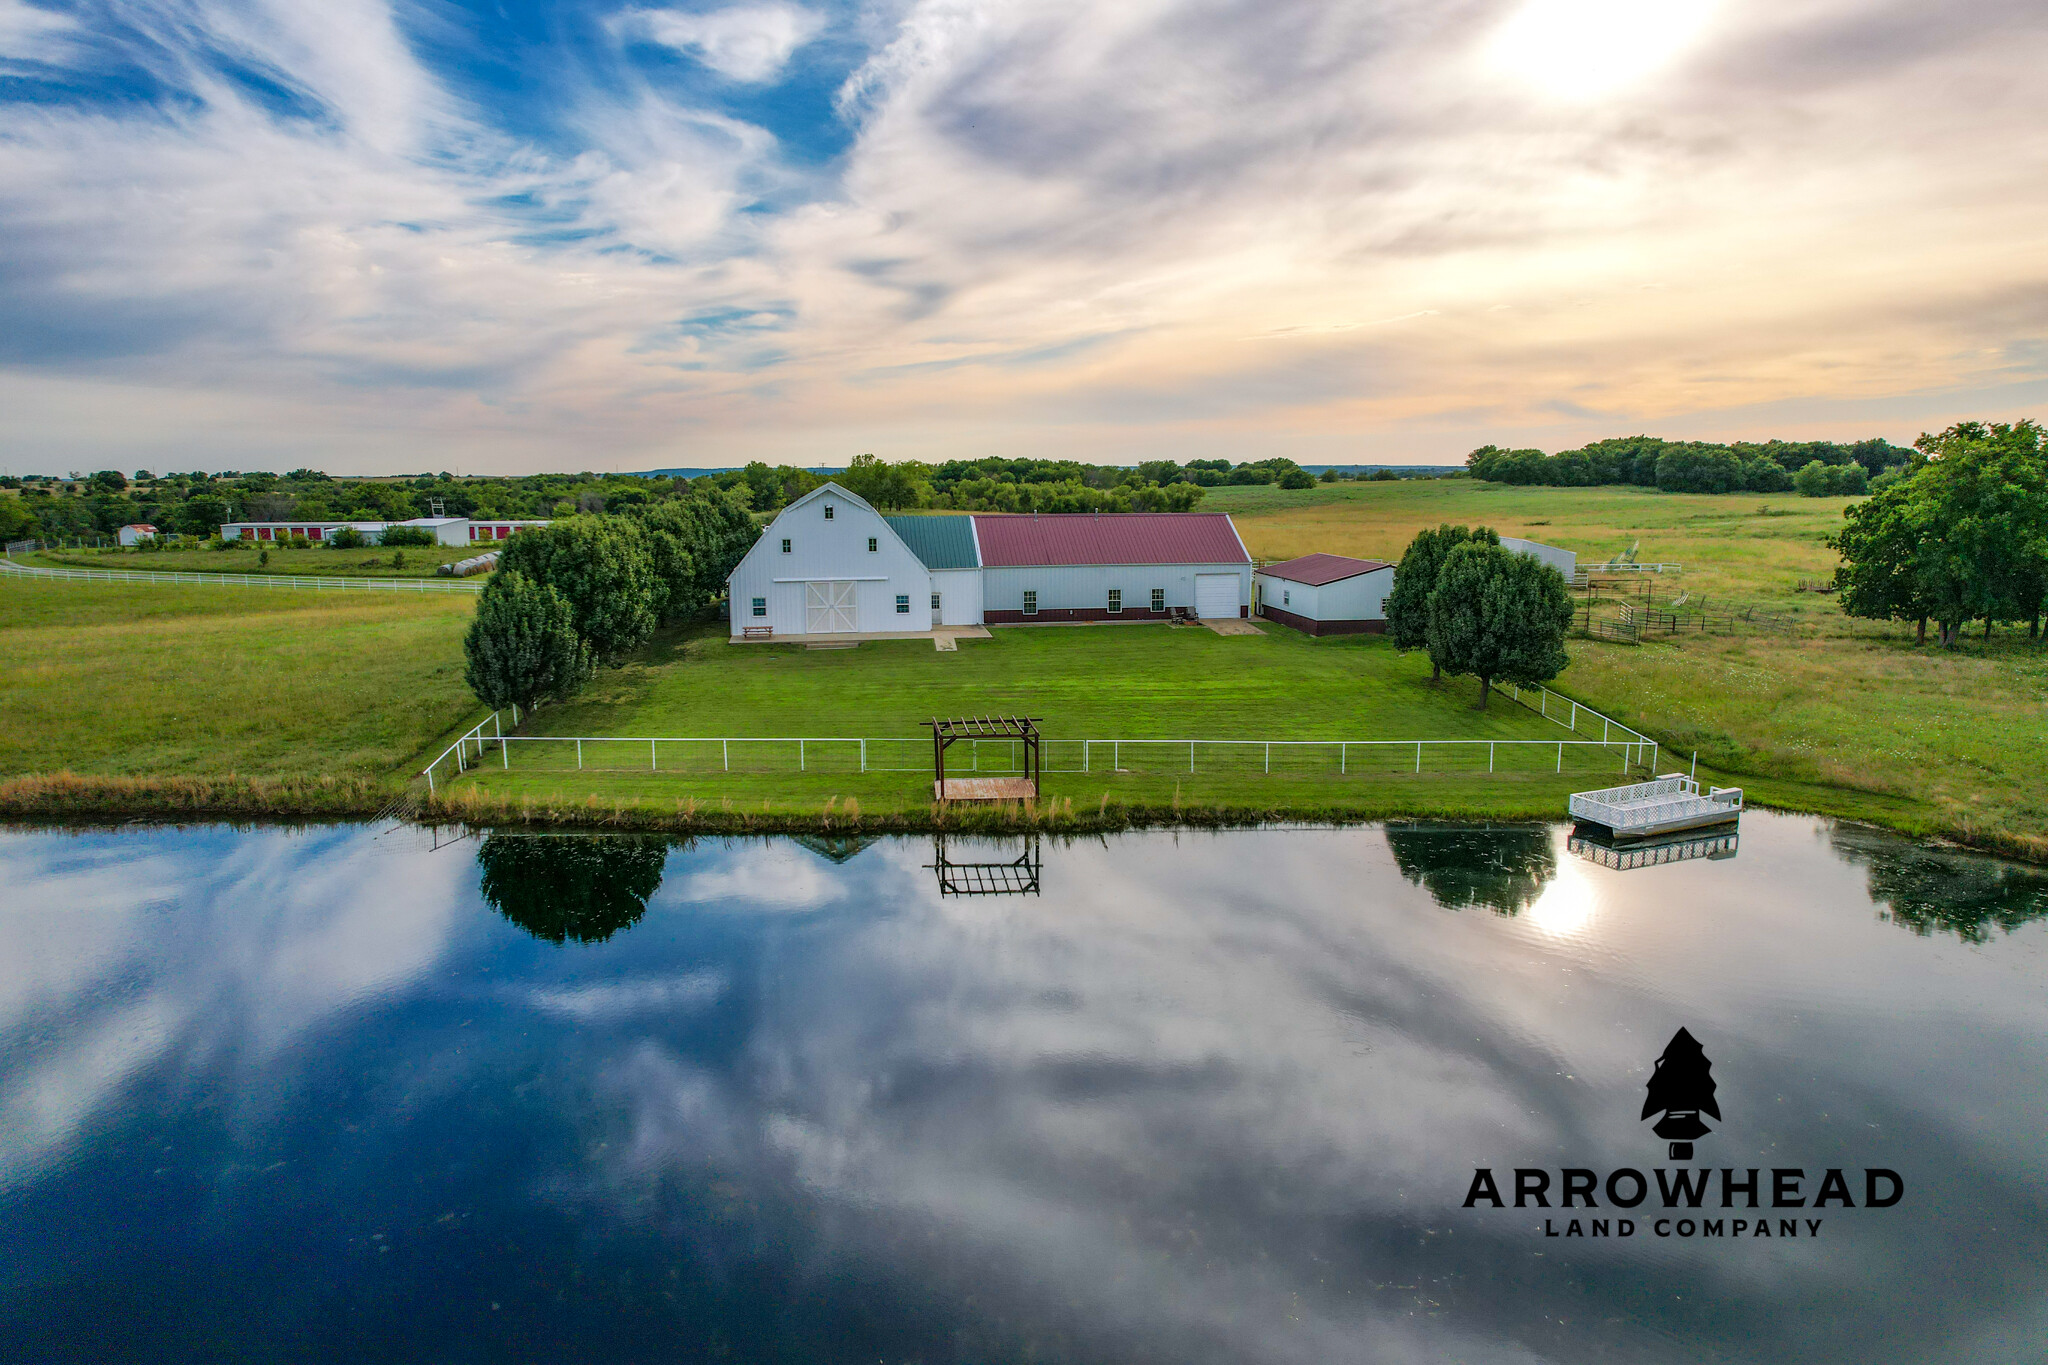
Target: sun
(1587, 49)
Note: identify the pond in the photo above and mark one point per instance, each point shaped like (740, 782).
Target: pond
(366, 1093)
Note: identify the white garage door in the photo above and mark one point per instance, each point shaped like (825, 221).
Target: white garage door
(829, 607)
(1215, 595)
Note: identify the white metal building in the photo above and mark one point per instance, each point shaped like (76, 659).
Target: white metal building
(136, 533)
(1565, 562)
(1327, 594)
(447, 530)
(830, 564)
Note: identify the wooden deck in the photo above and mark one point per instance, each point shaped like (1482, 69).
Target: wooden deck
(985, 789)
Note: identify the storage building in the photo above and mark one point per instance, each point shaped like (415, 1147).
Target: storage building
(446, 530)
(136, 533)
(1565, 562)
(1327, 594)
(830, 564)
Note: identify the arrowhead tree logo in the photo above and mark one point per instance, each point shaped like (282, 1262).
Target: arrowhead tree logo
(1681, 1088)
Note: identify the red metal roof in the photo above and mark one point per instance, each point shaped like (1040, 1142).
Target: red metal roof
(1316, 570)
(1108, 538)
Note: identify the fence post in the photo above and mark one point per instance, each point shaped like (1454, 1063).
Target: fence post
(1418, 755)
(579, 755)
(650, 756)
(1269, 756)
(725, 753)
(863, 755)
(1575, 717)
(1560, 755)
(1343, 758)
(1489, 755)
(801, 766)
(504, 754)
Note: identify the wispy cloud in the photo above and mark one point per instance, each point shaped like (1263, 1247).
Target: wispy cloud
(376, 235)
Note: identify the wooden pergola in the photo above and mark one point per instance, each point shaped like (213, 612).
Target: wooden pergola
(1021, 729)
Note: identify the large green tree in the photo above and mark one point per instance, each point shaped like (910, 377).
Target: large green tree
(1878, 579)
(695, 544)
(1979, 507)
(522, 647)
(1499, 616)
(1415, 577)
(562, 887)
(604, 568)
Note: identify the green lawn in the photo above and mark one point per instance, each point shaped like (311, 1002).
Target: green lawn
(369, 562)
(1951, 737)
(127, 680)
(1127, 683)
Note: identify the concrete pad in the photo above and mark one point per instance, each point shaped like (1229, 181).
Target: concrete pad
(1231, 625)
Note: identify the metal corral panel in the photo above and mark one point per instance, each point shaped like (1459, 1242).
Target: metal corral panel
(959, 593)
(1069, 588)
(1565, 562)
(830, 549)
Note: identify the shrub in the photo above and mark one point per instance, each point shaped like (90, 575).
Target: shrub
(346, 538)
(522, 647)
(1297, 478)
(407, 535)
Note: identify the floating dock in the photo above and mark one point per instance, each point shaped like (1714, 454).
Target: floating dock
(1663, 805)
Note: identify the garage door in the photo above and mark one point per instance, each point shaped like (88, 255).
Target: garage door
(829, 607)
(1215, 595)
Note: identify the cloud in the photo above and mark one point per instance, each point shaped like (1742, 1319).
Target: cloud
(746, 43)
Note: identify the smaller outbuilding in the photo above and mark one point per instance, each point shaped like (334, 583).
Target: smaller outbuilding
(1565, 562)
(137, 533)
(1326, 594)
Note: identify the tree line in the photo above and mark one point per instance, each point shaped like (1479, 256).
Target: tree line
(1813, 468)
(588, 590)
(1961, 534)
(1479, 609)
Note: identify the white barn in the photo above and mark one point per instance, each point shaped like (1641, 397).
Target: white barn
(1327, 594)
(830, 564)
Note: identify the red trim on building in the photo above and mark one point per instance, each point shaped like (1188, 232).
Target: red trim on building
(1308, 627)
(1057, 615)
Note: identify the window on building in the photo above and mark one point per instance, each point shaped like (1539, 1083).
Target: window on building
(1383, 606)
(828, 511)
(1116, 600)
(874, 544)
(785, 545)
(1286, 597)
(935, 604)
(1159, 599)
(1031, 601)
(903, 604)
(760, 606)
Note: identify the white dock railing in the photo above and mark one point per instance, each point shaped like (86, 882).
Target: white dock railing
(1663, 801)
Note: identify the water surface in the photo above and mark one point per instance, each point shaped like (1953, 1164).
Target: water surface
(344, 1094)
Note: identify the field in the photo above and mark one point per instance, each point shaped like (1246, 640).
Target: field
(1852, 704)
(369, 562)
(119, 680)
(1085, 682)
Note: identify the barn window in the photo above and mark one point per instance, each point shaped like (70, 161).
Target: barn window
(760, 606)
(935, 604)
(785, 545)
(874, 544)
(1031, 601)
(1116, 600)
(828, 511)
(1159, 599)
(903, 604)
(1383, 606)
(1286, 597)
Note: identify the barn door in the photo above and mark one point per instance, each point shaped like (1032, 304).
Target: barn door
(829, 608)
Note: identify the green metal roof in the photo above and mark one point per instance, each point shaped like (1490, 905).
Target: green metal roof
(942, 542)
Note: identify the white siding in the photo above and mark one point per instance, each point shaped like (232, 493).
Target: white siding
(834, 550)
(1565, 562)
(1359, 598)
(959, 596)
(1085, 587)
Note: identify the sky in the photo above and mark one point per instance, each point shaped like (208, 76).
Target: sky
(503, 236)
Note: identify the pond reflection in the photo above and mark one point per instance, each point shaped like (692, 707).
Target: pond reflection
(982, 869)
(1627, 855)
(584, 887)
(1945, 891)
(334, 1095)
(1501, 867)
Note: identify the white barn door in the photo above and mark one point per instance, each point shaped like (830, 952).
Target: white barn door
(829, 608)
(1216, 595)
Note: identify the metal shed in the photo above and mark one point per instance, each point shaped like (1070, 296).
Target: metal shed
(1323, 594)
(1123, 566)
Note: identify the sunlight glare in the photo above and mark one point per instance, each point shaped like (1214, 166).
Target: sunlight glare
(1566, 906)
(1584, 49)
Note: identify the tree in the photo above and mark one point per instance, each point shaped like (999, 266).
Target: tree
(1812, 480)
(695, 544)
(1878, 578)
(1499, 616)
(1415, 577)
(522, 644)
(581, 887)
(602, 566)
(1979, 508)
(1503, 869)
(884, 485)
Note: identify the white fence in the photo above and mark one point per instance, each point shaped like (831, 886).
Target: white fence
(297, 582)
(1618, 749)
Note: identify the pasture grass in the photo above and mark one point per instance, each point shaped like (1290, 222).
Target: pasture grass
(373, 561)
(1852, 705)
(121, 680)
